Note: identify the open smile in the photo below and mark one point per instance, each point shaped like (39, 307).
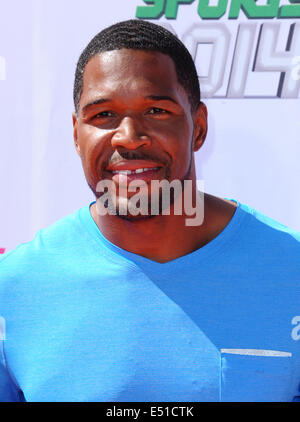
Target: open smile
(127, 171)
(137, 171)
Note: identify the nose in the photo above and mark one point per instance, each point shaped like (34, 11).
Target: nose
(130, 135)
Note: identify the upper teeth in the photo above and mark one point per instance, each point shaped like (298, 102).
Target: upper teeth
(133, 171)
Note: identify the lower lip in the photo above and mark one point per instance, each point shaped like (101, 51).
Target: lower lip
(146, 176)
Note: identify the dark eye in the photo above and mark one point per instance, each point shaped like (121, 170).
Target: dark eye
(103, 114)
(157, 110)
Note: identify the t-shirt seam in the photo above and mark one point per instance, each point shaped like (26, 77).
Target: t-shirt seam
(113, 254)
(110, 254)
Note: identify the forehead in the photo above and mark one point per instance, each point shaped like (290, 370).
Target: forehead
(130, 72)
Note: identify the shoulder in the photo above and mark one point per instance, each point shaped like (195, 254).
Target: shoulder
(256, 234)
(268, 226)
(50, 241)
(269, 239)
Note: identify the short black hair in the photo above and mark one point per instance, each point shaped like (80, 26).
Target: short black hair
(137, 34)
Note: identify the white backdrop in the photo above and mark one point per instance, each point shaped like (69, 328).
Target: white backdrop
(252, 150)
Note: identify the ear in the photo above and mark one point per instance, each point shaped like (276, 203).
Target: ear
(75, 133)
(200, 126)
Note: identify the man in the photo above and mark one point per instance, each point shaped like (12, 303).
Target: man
(118, 303)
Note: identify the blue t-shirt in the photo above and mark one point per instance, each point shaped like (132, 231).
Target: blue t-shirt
(88, 321)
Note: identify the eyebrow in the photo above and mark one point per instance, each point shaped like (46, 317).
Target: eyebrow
(150, 97)
(161, 98)
(95, 102)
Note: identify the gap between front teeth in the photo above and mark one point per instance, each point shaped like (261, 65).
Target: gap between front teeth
(137, 171)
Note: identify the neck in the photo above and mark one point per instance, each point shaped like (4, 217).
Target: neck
(163, 238)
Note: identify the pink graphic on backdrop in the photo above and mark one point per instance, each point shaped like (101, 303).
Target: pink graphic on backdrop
(2, 250)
